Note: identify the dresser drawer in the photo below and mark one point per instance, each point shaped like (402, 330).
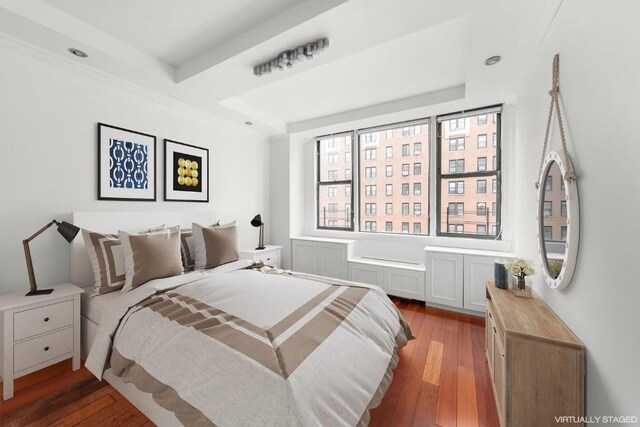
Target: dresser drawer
(43, 319)
(38, 350)
(271, 258)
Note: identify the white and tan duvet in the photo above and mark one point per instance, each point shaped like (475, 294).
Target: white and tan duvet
(249, 347)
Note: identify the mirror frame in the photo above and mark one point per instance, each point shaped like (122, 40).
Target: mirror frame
(573, 224)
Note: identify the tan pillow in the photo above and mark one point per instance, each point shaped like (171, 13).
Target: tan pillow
(215, 246)
(150, 256)
(187, 247)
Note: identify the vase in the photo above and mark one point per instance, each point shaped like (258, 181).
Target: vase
(520, 288)
(522, 284)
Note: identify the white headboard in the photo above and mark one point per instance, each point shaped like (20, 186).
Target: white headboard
(111, 222)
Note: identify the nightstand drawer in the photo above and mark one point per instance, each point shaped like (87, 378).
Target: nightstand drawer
(43, 319)
(38, 350)
(269, 258)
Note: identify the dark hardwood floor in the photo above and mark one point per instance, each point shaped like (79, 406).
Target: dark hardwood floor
(441, 380)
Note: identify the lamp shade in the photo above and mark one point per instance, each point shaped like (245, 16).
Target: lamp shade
(257, 221)
(68, 231)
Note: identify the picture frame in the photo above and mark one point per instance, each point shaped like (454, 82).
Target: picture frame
(186, 172)
(126, 164)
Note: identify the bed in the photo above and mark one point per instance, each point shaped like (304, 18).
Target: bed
(240, 344)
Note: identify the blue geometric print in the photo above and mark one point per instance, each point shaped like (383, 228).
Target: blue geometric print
(128, 165)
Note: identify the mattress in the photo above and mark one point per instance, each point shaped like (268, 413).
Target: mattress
(92, 307)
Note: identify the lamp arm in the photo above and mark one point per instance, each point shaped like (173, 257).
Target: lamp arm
(27, 254)
(39, 232)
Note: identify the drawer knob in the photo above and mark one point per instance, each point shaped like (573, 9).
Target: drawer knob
(46, 319)
(46, 348)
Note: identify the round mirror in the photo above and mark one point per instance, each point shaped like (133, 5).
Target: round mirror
(558, 222)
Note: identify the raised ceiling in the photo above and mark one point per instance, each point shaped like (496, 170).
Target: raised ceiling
(382, 52)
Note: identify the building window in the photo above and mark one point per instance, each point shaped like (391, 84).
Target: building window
(405, 169)
(370, 209)
(370, 154)
(548, 232)
(456, 144)
(347, 174)
(370, 190)
(333, 175)
(370, 137)
(406, 131)
(495, 139)
(563, 233)
(493, 162)
(388, 189)
(562, 184)
(332, 192)
(563, 208)
(456, 208)
(456, 166)
(548, 184)
(333, 208)
(388, 152)
(417, 148)
(547, 209)
(405, 227)
(370, 172)
(482, 186)
(481, 229)
(417, 208)
(388, 171)
(389, 133)
(369, 226)
(332, 159)
(417, 130)
(333, 223)
(332, 143)
(389, 208)
(417, 188)
(459, 166)
(417, 168)
(405, 209)
(494, 185)
(406, 150)
(456, 187)
(347, 191)
(417, 228)
(405, 189)
(388, 226)
(482, 141)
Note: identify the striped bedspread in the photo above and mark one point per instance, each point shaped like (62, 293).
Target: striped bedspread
(256, 347)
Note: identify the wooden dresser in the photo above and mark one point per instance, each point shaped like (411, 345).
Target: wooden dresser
(536, 362)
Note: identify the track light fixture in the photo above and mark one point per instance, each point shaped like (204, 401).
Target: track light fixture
(290, 57)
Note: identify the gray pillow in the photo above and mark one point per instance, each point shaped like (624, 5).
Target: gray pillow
(215, 246)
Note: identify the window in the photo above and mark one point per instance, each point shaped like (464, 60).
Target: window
(456, 187)
(389, 133)
(370, 172)
(405, 169)
(405, 189)
(562, 184)
(389, 209)
(406, 150)
(417, 188)
(388, 226)
(456, 209)
(417, 208)
(388, 189)
(405, 227)
(548, 232)
(456, 144)
(482, 141)
(417, 130)
(370, 226)
(388, 171)
(563, 208)
(482, 186)
(417, 148)
(370, 190)
(548, 184)
(417, 168)
(563, 233)
(370, 137)
(370, 208)
(481, 229)
(388, 152)
(347, 157)
(547, 209)
(461, 166)
(417, 228)
(406, 131)
(370, 154)
(405, 209)
(334, 185)
(456, 166)
(494, 139)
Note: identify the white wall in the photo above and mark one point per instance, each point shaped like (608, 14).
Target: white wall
(48, 139)
(600, 90)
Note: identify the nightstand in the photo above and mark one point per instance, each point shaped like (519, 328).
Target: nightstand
(270, 255)
(38, 331)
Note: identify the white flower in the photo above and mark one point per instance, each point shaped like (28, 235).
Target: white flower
(520, 266)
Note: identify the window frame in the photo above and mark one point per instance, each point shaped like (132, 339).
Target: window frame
(320, 184)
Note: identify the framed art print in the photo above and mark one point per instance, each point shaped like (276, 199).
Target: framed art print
(186, 172)
(126, 164)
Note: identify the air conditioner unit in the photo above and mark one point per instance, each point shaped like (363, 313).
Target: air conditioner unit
(405, 173)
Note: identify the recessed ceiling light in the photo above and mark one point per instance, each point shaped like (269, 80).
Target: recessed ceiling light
(248, 123)
(78, 52)
(493, 60)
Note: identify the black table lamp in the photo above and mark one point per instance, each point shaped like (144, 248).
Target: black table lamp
(68, 231)
(257, 222)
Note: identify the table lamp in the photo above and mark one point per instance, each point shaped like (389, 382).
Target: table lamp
(257, 222)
